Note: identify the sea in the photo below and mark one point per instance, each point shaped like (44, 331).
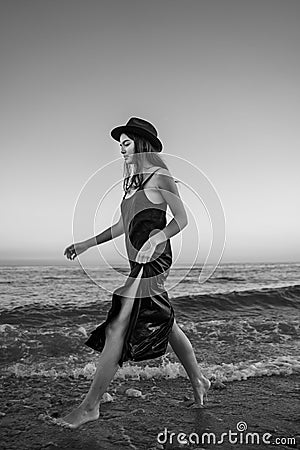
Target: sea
(243, 321)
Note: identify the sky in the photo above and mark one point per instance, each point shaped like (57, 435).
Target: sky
(218, 78)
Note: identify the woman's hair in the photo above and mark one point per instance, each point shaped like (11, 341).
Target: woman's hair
(147, 152)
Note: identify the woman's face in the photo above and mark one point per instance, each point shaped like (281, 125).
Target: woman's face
(127, 148)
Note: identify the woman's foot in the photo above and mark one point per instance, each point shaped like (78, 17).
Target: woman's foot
(200, 388)
(78, 417)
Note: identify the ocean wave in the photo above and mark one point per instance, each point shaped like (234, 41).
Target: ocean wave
(187, 306)
(234, 279)
(282, 365)
(287, 296)
(215, 280)
(37, 314)
(60, 277)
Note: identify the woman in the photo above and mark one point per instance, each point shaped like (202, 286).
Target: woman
(140, 322)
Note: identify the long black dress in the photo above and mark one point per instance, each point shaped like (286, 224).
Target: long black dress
(152, 315)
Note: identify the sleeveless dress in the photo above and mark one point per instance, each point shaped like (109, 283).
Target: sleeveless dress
(152, 315)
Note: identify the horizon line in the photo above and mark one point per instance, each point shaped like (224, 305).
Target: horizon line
(38, 262)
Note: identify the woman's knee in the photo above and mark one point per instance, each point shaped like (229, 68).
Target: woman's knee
(176, 332)
(115, 328)
(119, 325)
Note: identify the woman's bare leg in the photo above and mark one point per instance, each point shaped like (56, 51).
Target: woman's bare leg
(107, 367)
(185, 353)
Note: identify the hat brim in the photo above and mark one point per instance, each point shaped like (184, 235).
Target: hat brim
(116, 133)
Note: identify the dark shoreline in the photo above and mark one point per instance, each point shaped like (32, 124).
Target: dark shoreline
(266, 404)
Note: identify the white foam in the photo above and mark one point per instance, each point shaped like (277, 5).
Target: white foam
(283, 365)
(6, 327)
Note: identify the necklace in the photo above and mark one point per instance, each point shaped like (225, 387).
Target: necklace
(130, 187)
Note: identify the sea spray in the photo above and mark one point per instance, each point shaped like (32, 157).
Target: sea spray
(243, 370)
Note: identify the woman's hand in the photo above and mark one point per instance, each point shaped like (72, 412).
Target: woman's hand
(146, 251)
(76, 249)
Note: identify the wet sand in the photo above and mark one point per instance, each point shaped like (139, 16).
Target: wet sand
(266, 405)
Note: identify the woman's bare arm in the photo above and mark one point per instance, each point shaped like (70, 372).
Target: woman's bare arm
(168, 189)
(74, 250)
(110, 233)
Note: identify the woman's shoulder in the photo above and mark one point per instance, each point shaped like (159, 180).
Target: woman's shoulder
(163, 178)
(161, 171)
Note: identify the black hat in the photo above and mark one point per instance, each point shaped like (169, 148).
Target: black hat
(140, 127)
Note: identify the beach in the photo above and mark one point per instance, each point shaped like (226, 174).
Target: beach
(243, 324)
(268, 404)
